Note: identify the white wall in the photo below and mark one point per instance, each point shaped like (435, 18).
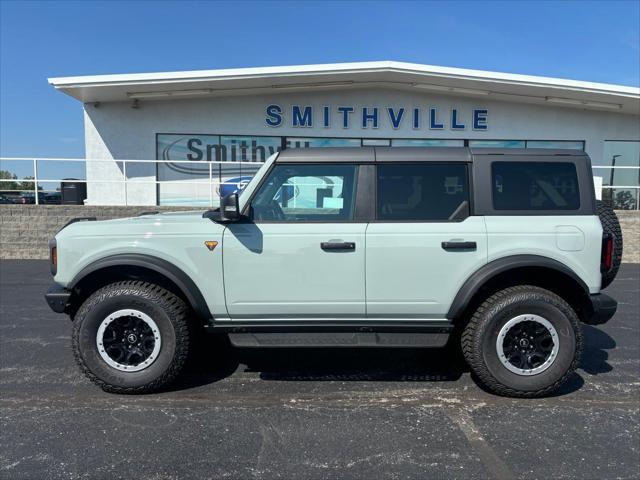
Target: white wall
(117, 131)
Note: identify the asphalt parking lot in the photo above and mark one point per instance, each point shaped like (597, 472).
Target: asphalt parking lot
(296, 414)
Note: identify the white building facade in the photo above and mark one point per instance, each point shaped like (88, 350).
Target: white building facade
(202, 121)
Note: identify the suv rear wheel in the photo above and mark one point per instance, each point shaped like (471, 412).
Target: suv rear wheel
(523, 341)
(132, 337)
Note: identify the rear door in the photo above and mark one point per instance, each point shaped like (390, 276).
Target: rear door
(302, 254)
(423, 244)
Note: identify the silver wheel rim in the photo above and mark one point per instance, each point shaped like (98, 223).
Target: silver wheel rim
(146, 347)
(529, 354)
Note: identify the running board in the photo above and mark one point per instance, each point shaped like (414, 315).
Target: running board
(338, 339)
(335, 333)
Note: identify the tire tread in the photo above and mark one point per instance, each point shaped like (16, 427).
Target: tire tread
(611, 224)
(472, 338)
(176, 310)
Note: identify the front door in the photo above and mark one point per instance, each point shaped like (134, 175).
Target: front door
(423, 245)
(300, 255)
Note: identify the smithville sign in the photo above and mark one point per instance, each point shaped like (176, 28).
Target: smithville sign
(307, 116)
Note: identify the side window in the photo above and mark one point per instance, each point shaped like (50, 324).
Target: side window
(535, 186)
(428, 191)
(312, 193)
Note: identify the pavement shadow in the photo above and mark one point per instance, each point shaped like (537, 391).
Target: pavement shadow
(215, 359)
(594, 355)
(357, 364)
(212, 359)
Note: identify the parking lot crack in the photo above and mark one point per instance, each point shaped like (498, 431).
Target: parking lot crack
(496, 467)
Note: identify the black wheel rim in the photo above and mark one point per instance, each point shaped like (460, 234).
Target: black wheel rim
(128, 340)
(527, 344)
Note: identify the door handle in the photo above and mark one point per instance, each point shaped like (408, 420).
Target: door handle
(338, 245)
(459, 246)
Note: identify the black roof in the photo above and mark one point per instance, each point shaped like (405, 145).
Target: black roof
(409, 154)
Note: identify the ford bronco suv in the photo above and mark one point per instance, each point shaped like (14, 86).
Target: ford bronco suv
(505, 251)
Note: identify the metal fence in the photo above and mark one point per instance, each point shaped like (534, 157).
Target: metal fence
(39, 180)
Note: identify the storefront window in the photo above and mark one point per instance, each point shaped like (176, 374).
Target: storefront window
(625, 157)
(425, 142)
(190, 157)
(188, 162)
(248, 149)
(621, 153)
(376, 142)
(622, 175)
(295, 142)
(497, 143)
(577, 145)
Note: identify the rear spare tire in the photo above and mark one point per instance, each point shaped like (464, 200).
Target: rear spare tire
(610, 225)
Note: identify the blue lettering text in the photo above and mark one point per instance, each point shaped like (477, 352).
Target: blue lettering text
(302, 118)
(274, 116)
(345, 115)
(454, 120)
(480, 119)
(395, 118)
(369, 117)
(433, 120)
(326, 116)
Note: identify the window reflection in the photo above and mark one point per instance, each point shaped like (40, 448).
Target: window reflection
(311, 142)
(497, 143)
(577, 145)
(426, 142)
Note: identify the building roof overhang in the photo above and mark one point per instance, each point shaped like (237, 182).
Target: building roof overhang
(341, 76)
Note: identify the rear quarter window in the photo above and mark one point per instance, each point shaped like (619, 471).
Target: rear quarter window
(535, 186)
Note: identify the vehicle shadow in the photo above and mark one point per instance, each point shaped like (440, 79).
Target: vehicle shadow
(594, 354)
(215, 359)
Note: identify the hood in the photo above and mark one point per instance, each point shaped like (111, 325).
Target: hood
(148, 225)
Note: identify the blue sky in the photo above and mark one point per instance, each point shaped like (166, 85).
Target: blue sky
(595, 41)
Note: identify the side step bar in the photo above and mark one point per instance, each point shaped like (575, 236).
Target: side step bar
(311, 334)
(339, 339)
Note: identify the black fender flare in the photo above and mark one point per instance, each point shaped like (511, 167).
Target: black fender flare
(501, 265)
(167, 269)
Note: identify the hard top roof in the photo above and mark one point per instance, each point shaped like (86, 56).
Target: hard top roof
(410, 154)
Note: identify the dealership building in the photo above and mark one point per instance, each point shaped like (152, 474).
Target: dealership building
(212, 129)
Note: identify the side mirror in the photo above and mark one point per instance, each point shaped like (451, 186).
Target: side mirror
(230, 207)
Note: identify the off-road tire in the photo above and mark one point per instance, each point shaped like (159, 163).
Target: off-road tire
(480, 335)
(611, 225)
(168, 311)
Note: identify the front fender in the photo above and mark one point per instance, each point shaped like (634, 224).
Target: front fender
(182, 246)
(165, 268)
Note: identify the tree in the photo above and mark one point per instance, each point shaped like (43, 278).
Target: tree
(16, 184)
(625, 201)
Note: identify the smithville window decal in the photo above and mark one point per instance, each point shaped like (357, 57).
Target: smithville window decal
(348, 116)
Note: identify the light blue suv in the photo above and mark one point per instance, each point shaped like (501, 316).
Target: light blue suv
(505, 251)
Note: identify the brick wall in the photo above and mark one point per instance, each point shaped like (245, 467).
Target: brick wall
(26, 229)
(630, 223)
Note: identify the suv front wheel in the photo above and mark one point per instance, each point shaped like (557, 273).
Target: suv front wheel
(523, 341)
(132, 337)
